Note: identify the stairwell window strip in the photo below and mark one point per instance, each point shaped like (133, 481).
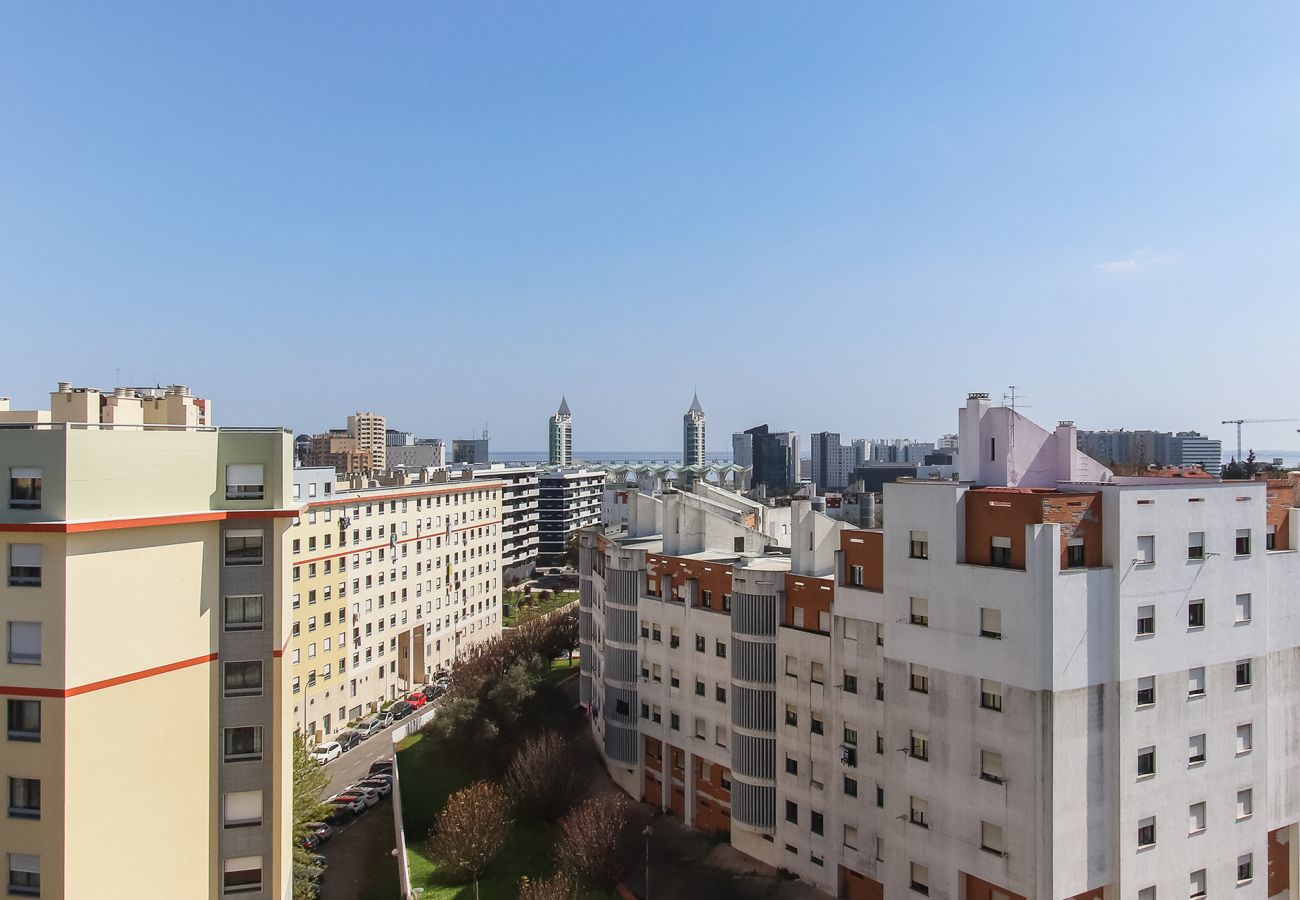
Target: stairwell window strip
(25, 563)
(245, 481)
(24, 488)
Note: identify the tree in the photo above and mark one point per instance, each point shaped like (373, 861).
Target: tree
(560, 886)
(598, 839)
(309, 783)
(547, 775)
(471, 830)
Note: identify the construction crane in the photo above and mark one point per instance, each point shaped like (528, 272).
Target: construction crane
(1240, 422)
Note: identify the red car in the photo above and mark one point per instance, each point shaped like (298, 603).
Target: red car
(417, 700)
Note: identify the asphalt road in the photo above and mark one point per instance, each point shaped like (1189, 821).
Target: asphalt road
(352, 766)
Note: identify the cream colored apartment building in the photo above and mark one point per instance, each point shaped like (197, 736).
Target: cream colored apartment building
(143, 615)
(371, 433)
(388, 584)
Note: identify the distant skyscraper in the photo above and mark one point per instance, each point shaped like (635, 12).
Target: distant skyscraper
(470, 450)
(832, 462)
(693, 451)
(561, 435)
(775, 459)
(742, 448)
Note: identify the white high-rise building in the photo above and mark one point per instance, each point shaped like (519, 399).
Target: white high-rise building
(1043, 682)
(694, 448)
(560, 435)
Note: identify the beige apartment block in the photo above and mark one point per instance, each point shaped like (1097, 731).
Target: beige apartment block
(371, 433)
(143, 615)
(388, 584)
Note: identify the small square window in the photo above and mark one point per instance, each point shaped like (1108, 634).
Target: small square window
(1146, 693)
(1243, 608)
(243, 679)
(919, 613)
(1000, 552)
(1146, 550)
(23, 718)
(919, 812)
(1197, 885)
(1146, 836)
(1196, 818)
(919, 745)
(1245, 738)
(25, 563)
(1146, 620)
(24, 488)
(990, 695)
(990, 622)
(1245, 804)
(1196, 545)
(919, 678)
(850, 786)
(919, 878)
(244, 548)
(1146, 762)
(792, 812)
(991, 839)
(919, 547)
(1075, 554)
(1243, 542)
(1195, 613)
(1243, 673)
(1196, 749)
(1245, 868)
(991, 766)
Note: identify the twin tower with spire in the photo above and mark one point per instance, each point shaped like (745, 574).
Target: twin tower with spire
(560, 435)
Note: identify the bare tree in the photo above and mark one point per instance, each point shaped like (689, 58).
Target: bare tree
(560, 886)
(471, 830)
(599, 839)
(548, 775)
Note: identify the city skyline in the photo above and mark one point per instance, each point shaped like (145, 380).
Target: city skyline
(1097, 205)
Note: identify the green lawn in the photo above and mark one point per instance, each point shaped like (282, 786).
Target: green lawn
(562, 668)
(521, 614)
(430, 773)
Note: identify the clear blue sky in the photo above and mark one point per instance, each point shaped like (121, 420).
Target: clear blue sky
(837, 217)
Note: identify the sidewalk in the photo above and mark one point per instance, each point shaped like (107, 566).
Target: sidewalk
(687, 863)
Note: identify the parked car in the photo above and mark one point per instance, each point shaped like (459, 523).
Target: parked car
(384, 718)
(368, 796)
(401, 709)
(348, 739)
(380, 784)
(381, 767)
(309, 840)
(369, 728)
(321, 830)
(417, 699)
(432, 692)
(353, 803)
(327, 751)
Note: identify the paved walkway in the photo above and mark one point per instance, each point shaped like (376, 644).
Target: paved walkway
(688, 863)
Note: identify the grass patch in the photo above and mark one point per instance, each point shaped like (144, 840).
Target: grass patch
(430, 773)
(521, 614)
(562, 668)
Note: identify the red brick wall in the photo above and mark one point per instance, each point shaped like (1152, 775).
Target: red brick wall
(712, 800)
(711, 576)
(859, 887)
(977, 889)
(1279, 863)
(1005, 513)
(813, 595)
(1281, 496)
(866, 549)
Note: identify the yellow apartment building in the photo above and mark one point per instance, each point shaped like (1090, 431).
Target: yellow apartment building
(388, 584)
(144, 615)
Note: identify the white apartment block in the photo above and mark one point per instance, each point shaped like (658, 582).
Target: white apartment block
(389, 584)
(1042, 681)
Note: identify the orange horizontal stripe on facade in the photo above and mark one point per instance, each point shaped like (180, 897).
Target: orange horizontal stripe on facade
(65, 693)
(405, 495)
(219, 515)
(431, 533)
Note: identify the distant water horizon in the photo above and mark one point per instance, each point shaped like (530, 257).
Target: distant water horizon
(606, 456)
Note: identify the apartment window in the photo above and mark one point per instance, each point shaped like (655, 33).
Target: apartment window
(857, 576)
(720, 649)
(1146, 690)
(1196, 545)
(1196, 818)
(991, 839)
(1243, 673)
(24, 798)
(880, 796)
(880, 689)
(1074, 554)
(1243, 608)
(1196, 682)
(791, 766)
(850, 786)
(245, 482)
(1146, 620)
(815, 724)
(1146, 762)
(990, 695)
(817, 822)
(1147, 832)
(719, 693)
(24, 875)
(241, 875)
(244, 548)
(919, 813)
(25, 565)
(699, 643)
(243, 809)
(674, 678)
(738, 545)
(1245, 738)
(850, 683)
(1243, 542)
(880, 744)
(991, 766)
(919, 678)
(674, 721)
(24, 488)
(1245, 804)
(243, 679)
(919, 611)
(791, 714)
(1197, 885)
(1245, 868)
(1196, 749)
(24, 720)
(1000, 551)
(243, 612)
(919, 877)
(1146, 549)
(850, 837)
(25, 643)
(243, 743)
(990, 622)
(720, 736)
(918, 745)
(674, 639)
(792, 812)
(1147, 893)
(817, 673)
(699, 688)
(1195, 613)
(920, 545)
(1270, 538)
